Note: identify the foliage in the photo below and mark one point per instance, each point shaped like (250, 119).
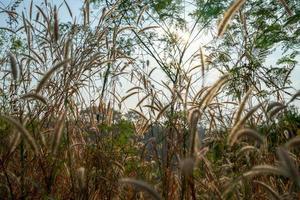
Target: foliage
(67, 131)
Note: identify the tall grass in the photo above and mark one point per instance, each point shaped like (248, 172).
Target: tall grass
(63, 135)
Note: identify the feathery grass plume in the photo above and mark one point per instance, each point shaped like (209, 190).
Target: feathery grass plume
(8, 29)
(69, 9)
(29, 34)
(212, 91)
(34, 96)
(288, 165)
(37, 17)
(30, 9)
(56, 25)
(25, 23)
(37, 55)
(142, 185)
(246, 149)
(44, 16)
(273, 105)
(125, 28)
(293, 143)
(276, 110)
(141, 14)
(142, 100)
(162, 111)
(12, 14)
(30, 57)
(129, 95)
(202, 59)
(228, 15)
(58, 133)
(144, 128)
(102, 17)
(239, 123)
(274, 194)
(200, 93)
(193, 118)
(87, 11)
(23, 131)
(15, 141)
(286, 7)
(119, 165)
(187, 166)
(297, 94)
(81, 177)
(13, 66)
(67, 48)
(49, 73)
(134, 88)
(245, 132)
(139, 113)
(265, 170)
(152, 107)
(147, 28)
(242, 106)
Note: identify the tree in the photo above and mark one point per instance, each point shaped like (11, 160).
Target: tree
(257, 30)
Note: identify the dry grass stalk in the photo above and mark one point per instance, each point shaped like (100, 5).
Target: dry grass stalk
(47, 76)
(228, 15)
(142, 185)
(23, 131)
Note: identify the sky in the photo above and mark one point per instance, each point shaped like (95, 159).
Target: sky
(76, 5)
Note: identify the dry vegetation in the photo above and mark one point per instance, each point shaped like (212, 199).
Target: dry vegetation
(52, 147)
